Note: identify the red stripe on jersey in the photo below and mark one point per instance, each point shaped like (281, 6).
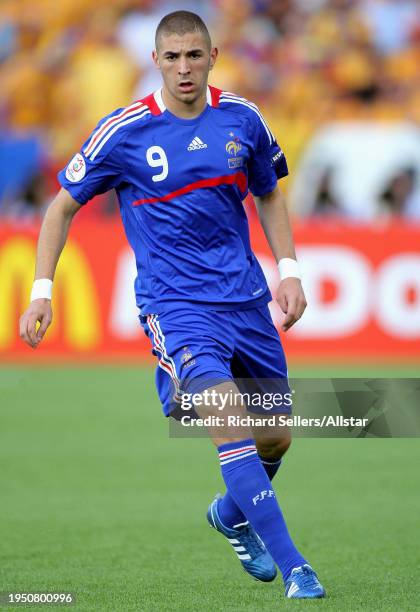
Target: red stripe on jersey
(238, 178)
(215, 95)
(151, 103)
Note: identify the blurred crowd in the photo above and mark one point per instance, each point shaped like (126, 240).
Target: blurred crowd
(307, 63)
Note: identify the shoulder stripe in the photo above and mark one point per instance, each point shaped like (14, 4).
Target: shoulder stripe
(116, 127)
(100, 132)
(229, 94)
(228, 97)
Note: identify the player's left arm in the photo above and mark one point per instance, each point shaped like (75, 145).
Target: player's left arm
(274, 218)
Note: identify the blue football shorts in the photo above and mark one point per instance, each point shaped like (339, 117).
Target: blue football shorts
(197, 349)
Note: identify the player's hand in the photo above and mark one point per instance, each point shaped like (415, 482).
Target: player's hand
(291, 299)
(38, 311)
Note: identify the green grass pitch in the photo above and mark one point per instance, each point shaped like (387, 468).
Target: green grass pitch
(96, 499)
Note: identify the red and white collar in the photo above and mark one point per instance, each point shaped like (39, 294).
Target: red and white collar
(212, 97)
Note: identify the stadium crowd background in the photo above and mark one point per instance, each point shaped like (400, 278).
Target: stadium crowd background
(307, 63)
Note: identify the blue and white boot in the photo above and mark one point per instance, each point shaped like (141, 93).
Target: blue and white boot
(248, 546)
(303, 583)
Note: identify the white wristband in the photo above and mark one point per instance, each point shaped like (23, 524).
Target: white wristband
(42, 288)
(288, 268)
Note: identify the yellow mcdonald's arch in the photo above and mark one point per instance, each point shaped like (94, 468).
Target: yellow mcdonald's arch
(73, 282)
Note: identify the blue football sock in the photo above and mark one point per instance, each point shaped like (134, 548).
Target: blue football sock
(229, 513)
(271, 467)
(250, 488)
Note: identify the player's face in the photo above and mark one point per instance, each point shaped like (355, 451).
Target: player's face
(185, 62)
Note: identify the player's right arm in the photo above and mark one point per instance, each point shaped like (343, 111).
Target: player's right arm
(98, 167)
(52, 238)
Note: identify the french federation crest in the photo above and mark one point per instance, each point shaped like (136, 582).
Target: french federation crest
(186, 355)
(232, 148)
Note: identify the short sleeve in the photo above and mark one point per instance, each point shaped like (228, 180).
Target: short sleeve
(97, 167)
(267, 164)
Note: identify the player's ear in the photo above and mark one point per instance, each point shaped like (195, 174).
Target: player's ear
(213, 56)
(155, 59)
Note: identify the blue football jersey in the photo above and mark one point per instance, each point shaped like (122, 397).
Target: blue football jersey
(180, 185)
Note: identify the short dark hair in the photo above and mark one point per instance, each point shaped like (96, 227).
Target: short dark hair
(182, 22)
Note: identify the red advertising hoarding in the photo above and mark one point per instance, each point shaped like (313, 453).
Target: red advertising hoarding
(362, 284)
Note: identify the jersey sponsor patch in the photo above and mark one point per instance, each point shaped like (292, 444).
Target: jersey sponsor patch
(278, 162)
(76, 169)
(235, 162)
(276, 157)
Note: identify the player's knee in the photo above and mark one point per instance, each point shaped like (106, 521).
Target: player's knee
(275, 447)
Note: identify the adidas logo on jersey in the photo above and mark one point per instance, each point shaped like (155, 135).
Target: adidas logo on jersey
(196, 143)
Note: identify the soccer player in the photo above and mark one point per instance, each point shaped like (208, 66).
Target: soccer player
(182, 160)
